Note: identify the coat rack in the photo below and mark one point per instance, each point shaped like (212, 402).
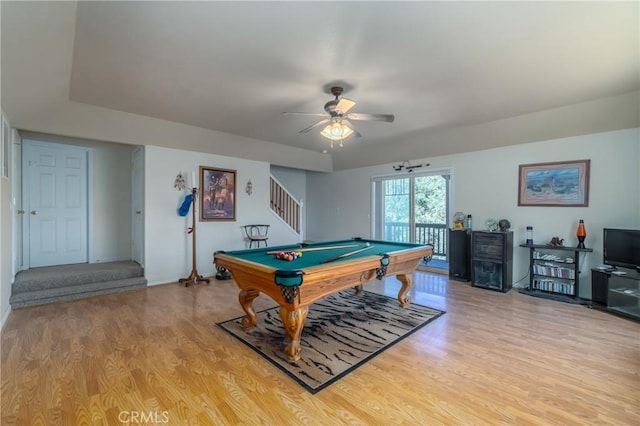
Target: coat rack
(194, 277)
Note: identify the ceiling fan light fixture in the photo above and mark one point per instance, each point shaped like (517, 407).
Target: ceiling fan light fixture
(336, 131)
(337, 121)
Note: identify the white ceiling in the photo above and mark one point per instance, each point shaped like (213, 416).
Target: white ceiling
(236, 66)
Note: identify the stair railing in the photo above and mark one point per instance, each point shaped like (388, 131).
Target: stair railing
(286, 206)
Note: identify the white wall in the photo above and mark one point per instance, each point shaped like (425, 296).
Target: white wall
(167, 244)
(112, 209)
(485, 184)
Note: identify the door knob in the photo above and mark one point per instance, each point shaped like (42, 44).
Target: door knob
(138, 211)
(34, 212)
(20, 211)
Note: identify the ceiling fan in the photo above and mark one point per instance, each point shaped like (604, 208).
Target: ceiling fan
(337, 121)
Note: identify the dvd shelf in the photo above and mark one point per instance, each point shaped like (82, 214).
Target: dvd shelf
(554, 286)
(555, 269)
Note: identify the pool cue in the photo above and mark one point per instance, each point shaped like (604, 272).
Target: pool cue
(314, 248)
(331, 259)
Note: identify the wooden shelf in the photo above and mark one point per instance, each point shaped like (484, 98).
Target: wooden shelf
(555, 275)
(550, 247)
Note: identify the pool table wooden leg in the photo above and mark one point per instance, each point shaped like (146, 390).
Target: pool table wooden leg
(293, 322)
(407, 282)
(246, 301)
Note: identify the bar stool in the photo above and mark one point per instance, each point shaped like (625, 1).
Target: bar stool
(257, 234)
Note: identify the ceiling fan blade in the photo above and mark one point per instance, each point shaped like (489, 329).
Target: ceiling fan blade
(313, 126)
(306, 113)
(370, 117)
(344, 105)
(349, 125)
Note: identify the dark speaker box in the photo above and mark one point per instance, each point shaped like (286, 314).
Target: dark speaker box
(599, 284)
(492, 259)
(459, 254)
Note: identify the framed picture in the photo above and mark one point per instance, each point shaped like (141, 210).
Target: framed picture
(6, 136)
(559, 184)
(218, 194)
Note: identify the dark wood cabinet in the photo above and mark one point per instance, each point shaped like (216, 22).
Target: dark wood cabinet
(492, 260)
(599, 290)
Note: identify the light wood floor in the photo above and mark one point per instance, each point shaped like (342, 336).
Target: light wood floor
(493, 358)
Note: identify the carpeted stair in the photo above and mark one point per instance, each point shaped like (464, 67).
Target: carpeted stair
(50, 284)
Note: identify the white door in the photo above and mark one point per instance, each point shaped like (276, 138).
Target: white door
(55, 196)
(137, 202)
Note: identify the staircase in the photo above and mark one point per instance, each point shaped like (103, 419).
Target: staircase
(283, 204)
(51, 284)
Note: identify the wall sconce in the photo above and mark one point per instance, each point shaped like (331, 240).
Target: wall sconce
(180, 183)
(249, 188)
(408, 167)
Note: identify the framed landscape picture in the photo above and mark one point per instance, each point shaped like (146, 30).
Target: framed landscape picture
(559, 184)
(218, 194)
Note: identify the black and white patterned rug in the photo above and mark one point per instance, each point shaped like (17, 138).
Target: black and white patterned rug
(342, 332)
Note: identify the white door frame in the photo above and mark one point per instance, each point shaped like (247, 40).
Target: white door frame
(137, 204)
(17, 212)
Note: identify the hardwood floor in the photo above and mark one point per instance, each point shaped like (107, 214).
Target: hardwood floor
(156, 356)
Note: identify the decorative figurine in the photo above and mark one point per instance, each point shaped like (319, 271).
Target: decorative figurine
(491, 224)
(504, 225)
(556, 242)
(458, 220)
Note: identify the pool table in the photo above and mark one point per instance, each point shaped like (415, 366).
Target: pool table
(323, 269)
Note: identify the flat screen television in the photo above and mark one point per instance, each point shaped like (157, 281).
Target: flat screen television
(621, 247)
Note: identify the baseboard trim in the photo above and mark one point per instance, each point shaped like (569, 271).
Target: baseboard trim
(433, 270)
(4, 318)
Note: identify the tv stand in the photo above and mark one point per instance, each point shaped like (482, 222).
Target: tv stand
(619, 294)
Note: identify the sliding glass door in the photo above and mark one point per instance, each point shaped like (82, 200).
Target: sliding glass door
(396, 202)
(413, 208)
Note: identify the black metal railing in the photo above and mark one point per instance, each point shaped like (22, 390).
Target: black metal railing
(426, 233)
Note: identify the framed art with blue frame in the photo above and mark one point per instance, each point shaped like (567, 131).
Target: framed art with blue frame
(557, 184)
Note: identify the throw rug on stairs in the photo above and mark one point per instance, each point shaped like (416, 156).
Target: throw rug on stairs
(342, 332)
